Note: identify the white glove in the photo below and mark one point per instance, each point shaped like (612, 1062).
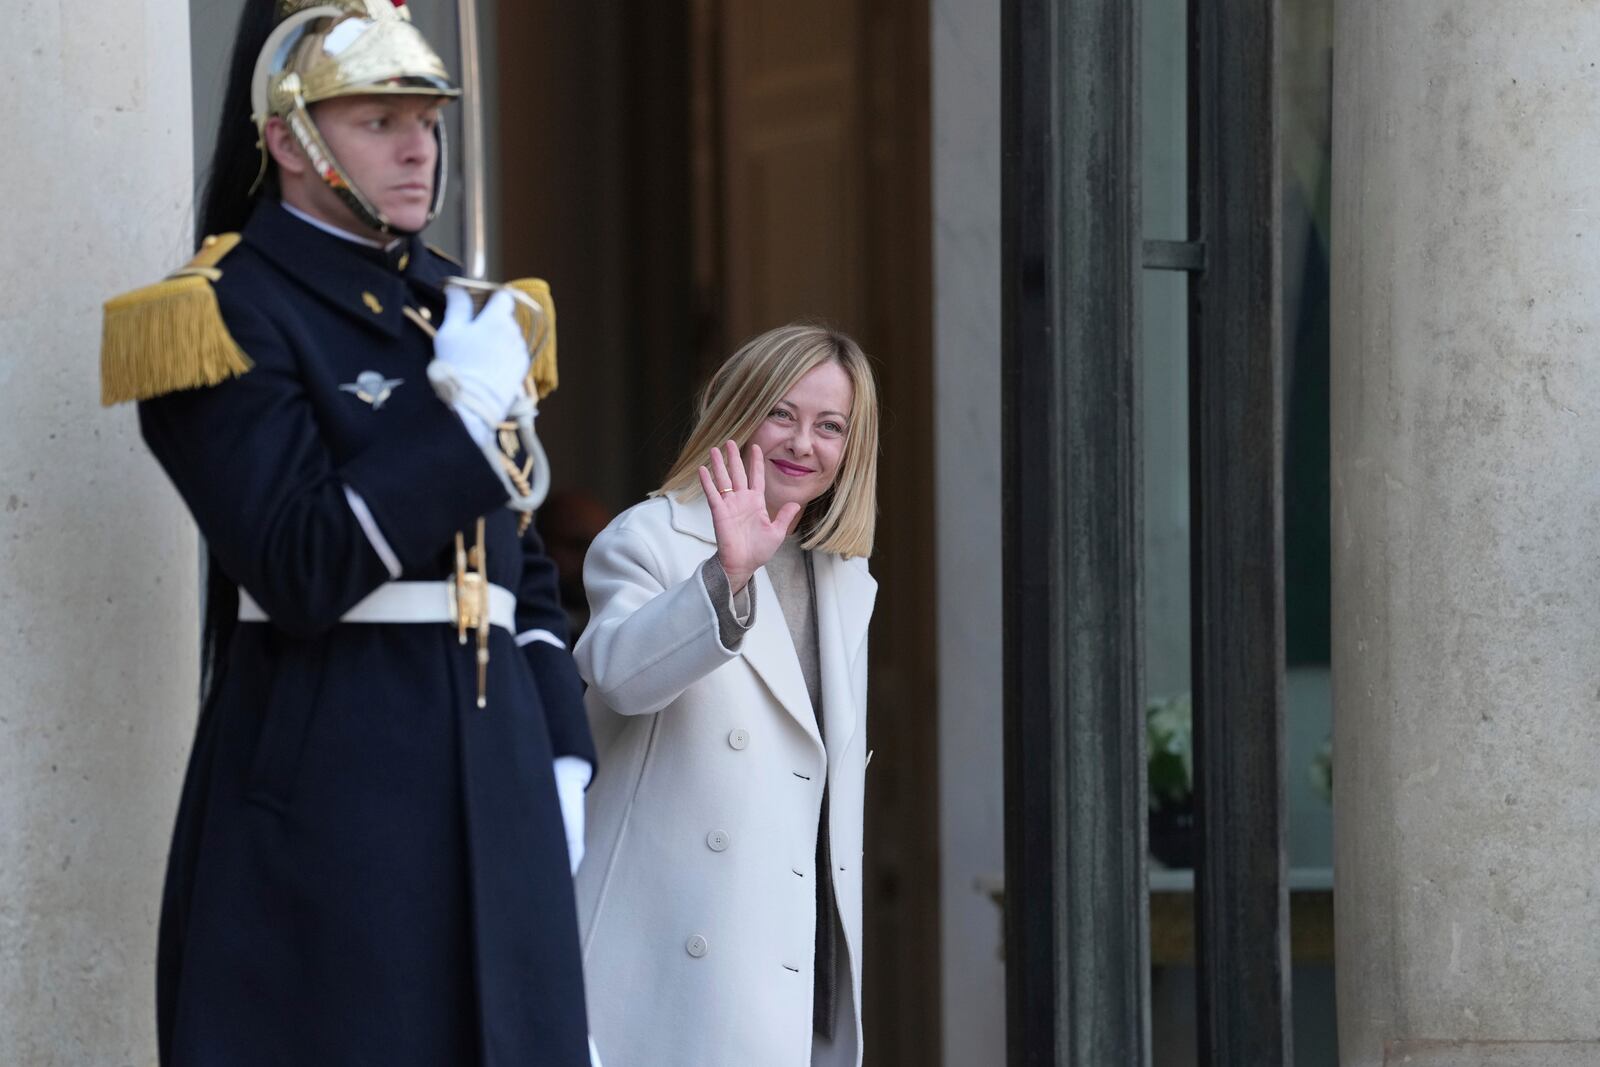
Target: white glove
(479, 363)
(572, 778)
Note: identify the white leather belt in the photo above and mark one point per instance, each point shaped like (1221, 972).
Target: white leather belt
(406, 602)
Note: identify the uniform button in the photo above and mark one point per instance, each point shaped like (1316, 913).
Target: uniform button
(718, 841)
(696, 946)
(427, 315)
(738, 739)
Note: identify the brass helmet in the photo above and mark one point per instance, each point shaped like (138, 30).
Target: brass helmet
(333, 48)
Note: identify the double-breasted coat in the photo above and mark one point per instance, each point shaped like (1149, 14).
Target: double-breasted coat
(697, 899)
(367, 868)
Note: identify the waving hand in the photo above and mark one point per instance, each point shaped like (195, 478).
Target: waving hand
(747, 536)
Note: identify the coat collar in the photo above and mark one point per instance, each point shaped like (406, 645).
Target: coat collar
(845, 597)
(369, 285)
(691, 516)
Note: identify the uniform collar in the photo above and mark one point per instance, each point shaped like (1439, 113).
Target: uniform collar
(371, 285)
(328, 227)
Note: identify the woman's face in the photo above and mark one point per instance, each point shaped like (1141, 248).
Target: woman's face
(802, 438)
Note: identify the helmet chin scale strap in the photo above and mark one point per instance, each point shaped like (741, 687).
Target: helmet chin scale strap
(327, 167)
(333, 175)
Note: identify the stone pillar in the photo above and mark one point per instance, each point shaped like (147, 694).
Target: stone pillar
(98, 560)
(966, 360)
(1466, 531)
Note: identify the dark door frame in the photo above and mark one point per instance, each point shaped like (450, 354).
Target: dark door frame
(1076, 914)
(1076, 923)
(1236, 499)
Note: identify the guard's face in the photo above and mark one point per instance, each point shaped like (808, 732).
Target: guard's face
(388, 147)
(802, 438)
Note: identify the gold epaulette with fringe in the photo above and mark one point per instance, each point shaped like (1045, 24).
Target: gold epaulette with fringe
(541, 334)
(170, 335)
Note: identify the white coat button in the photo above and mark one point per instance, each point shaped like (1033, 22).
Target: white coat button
(696, 946)
(718, 841)
(738, 739)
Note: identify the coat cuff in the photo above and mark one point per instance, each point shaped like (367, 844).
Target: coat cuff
(424, 484)
(561, 693)
(736, 613)
(369, 526)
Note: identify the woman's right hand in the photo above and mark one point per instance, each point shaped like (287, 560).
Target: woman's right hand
(747, 536)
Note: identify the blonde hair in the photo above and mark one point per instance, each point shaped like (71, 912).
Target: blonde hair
(743, 392)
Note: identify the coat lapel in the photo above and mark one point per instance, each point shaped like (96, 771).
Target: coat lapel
(769, 650)
(767, 647)
(845, 595)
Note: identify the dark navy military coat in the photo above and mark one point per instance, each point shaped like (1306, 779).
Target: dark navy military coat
(367, 867)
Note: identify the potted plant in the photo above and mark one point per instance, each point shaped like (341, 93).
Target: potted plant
(1322, 770)
(1169, 736)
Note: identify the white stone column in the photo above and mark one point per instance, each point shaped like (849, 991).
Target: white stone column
(1466, 531)
(98, 562)
(966, 208)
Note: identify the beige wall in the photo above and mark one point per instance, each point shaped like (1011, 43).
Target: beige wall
(98, 625)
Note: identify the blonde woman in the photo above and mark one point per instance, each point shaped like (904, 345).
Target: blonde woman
(720, 903)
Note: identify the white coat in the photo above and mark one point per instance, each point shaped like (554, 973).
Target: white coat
(696, 904)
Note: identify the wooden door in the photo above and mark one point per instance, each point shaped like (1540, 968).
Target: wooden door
(722, 167)
(811, 185)
(793, 148)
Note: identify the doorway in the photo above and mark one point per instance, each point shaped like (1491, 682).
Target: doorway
(692, 172)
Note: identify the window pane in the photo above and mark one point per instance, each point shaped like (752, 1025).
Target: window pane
(1164, 410)
(1164, 113)
(1305, 107)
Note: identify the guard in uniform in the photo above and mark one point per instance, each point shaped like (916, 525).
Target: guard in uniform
(372, 857)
